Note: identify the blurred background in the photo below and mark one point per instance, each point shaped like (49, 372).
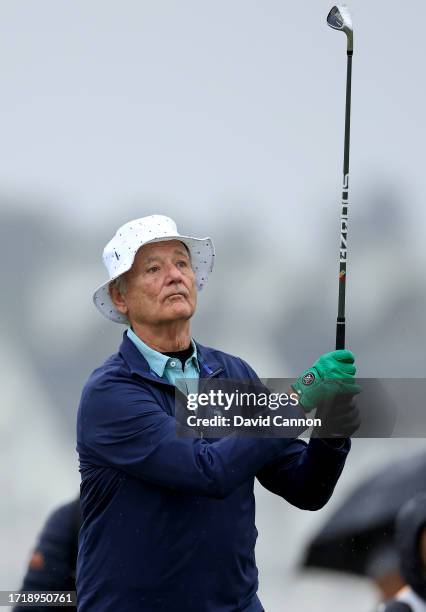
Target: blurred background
(228, 117)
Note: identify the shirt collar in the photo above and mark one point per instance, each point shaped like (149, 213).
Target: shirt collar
(157, 361)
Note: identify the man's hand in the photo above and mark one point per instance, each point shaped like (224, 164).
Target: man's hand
(332, 374)
(340, 419)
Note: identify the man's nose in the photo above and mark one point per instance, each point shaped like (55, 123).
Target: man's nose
(174, 275)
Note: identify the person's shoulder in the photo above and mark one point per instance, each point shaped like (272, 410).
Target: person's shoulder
(233, 364)
(113, 366)
(66, 513)
(209, 352)
(395, 606)
(63, 519)
(105, 378)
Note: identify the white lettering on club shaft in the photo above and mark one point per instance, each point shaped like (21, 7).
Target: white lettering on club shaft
(344, 220)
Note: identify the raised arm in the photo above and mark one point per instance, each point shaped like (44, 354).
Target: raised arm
(124, 427)
(305, 474)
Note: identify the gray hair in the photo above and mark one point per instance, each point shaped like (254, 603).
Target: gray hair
(120, 283)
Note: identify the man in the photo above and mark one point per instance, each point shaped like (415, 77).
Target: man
(169, 521)
(410, 537)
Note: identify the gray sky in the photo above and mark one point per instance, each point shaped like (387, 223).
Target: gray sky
(206, 107)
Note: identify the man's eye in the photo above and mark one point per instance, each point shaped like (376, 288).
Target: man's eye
(182, 264)
(153, 269)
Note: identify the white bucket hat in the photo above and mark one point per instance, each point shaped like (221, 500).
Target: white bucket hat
(119, 254)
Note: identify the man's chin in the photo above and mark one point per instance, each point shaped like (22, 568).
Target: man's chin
(178, 311)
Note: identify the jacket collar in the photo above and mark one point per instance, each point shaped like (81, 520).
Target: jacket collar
(209, 366)
(157, 361)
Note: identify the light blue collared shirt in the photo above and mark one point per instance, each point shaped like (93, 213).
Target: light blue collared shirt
(170, 368)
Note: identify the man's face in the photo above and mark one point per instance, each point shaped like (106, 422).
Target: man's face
(160, 286)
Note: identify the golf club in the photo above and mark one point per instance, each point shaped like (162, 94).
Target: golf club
(339, 18)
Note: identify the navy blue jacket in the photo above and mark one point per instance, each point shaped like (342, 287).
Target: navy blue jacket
(168, 521)
(53, 562)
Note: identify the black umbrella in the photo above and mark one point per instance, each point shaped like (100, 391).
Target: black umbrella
(364, 523)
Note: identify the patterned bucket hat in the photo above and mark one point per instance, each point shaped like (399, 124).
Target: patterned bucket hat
(120, 252)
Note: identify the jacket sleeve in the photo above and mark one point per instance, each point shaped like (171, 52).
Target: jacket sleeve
(305, 474)
(124, 427)
(53, 561)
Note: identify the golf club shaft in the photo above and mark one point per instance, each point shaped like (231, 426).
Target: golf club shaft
(341, 324)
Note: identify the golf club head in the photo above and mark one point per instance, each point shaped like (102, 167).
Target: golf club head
(339, 18)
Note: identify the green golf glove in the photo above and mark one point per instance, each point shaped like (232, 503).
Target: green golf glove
(332, 374)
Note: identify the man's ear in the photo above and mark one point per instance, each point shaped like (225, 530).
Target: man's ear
(117, 298)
